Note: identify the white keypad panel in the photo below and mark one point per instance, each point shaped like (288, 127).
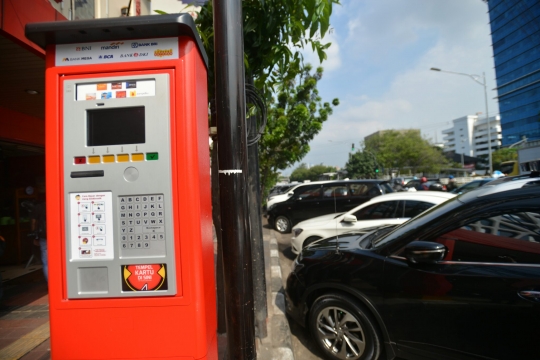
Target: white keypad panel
(141, 221)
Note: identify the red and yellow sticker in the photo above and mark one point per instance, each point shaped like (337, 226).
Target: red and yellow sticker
(144, 277)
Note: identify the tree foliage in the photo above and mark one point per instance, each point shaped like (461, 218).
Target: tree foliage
(274, 32)
(361, 165)
(405, 150)
(302, 173)
(295, 116)
(501, 155)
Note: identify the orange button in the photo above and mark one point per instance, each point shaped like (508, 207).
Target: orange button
(137, 157)
(108, 158)
(122, 157)
(94, 159)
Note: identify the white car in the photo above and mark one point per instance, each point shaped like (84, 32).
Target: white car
(394, 208)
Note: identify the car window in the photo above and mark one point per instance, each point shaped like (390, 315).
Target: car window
(383, 210)
(310, 192)
(360, 189)
(334, 191)
(386, 188)
(511, 237)
(471, 185)
(413, 208)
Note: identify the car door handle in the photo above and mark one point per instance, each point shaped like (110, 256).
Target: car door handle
(530, 295)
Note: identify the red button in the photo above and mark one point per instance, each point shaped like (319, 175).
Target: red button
(80, 160)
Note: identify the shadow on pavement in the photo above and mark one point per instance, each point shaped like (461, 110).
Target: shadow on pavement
(287, 252)
(311, 351)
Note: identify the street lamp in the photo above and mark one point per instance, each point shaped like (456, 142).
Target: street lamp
(483, 83)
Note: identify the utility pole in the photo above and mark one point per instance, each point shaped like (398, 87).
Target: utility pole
(233, 169)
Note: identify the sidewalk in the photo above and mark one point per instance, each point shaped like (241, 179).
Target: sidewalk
(24, 315)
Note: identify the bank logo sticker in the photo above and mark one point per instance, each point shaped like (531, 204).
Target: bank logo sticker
(115, 90)
(162, 53)
(106, 52)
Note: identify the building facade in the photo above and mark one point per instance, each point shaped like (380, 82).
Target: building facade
(469, 136)
(515, 28)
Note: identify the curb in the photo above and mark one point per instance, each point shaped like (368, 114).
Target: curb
(280, 331)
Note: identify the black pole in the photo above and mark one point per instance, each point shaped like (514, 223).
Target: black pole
(255, 215)
(232, 161)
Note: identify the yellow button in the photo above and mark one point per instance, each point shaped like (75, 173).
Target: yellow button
(108, 158)
(137, 157)
(94, 159)
(122, 157)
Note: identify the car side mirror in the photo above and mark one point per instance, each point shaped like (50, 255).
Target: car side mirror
(348, 218)
(425, 252)
(290, 193)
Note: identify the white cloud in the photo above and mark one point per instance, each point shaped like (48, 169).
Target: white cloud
(380, 71)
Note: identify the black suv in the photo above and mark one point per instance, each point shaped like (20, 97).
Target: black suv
(321, 198)
(459, 281)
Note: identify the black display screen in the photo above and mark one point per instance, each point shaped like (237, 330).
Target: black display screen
(117, 126)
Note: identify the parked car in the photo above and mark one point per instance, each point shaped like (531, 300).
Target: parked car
(471, 185)
(432, 184)
(320, 198)
(394, 208)
(280, 189)
(286, 195)
(459, 281)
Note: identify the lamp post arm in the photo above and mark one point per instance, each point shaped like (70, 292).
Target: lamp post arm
(472, 76)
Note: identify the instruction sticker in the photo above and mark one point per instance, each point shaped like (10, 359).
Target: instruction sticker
(144, 277)
(91, 226)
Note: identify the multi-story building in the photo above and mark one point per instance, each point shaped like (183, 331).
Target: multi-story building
(469, 136)
(515, 31)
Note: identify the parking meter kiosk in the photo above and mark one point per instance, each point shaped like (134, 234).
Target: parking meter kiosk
(131, 256)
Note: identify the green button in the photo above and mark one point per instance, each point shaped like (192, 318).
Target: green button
(152, 156)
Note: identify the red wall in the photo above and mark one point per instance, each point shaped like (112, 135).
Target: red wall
(17, 127)
(15, 14)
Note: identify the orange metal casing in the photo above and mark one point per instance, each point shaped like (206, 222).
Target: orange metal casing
(172, 327)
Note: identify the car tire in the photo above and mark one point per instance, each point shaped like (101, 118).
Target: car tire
(353, 336)
(282, 225)
(310, 240)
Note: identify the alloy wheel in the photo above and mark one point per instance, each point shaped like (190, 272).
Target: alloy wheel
(341, 333)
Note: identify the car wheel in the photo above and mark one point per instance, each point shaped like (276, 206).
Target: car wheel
(282, 224)
(310, 240)
(343, 330)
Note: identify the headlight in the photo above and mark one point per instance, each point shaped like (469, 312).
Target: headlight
(297, 232)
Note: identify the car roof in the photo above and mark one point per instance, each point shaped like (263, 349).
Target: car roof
(420, 195)
(490, 188)
(407, 195)
(339, 182)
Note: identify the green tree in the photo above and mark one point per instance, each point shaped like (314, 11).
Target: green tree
(403, 150)
(302, 173)
(362, 165)
(501, 155)
(274, 32)
(294, 118)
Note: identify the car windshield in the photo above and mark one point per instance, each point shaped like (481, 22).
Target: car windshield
(417, 222)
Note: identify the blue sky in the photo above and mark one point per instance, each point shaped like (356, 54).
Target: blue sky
(378, 67)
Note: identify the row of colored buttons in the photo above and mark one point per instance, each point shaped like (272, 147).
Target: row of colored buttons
(98, 159)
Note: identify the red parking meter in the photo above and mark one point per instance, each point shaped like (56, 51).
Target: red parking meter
(131, 256)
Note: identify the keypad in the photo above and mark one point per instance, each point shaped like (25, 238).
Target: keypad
(142, 221)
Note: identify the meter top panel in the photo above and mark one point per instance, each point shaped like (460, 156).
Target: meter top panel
(114, 29)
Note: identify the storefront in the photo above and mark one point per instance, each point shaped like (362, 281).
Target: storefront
(22, 127)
